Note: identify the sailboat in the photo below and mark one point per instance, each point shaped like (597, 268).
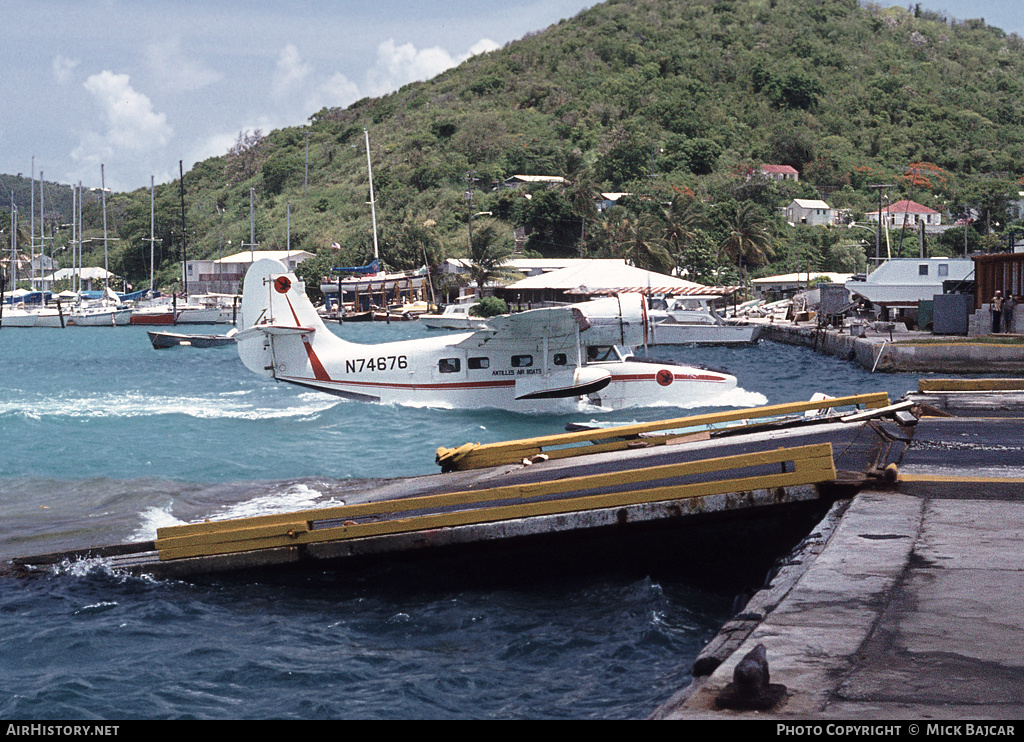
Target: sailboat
(367, 285)
(107, 311)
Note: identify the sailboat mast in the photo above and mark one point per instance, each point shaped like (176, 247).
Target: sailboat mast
(152, 239)
(80, 224)
(42, 236)
(74, 233)
(32, 229)
(184, 241)
(103, 194)
(373, 207)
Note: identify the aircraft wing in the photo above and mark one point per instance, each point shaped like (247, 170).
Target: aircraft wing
(549, 322)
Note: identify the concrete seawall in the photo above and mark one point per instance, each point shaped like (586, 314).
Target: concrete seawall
(904, 603)
(885, 350)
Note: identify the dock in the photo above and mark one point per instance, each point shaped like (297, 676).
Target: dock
(599, 488)
(907, 601)
(889, 346)
(902, 595)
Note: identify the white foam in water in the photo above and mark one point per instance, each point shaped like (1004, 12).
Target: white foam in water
(152, 519)
(294, 497)
(231, 405)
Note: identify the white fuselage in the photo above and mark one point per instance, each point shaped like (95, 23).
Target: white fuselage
(545, 359)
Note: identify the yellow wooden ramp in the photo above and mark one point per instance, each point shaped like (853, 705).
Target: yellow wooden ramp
(564, 445)
(784, 467)
(969, 385)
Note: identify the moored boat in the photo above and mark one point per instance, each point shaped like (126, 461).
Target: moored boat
(21, 316)
(162, 340)
(692, 320)
(454, 317)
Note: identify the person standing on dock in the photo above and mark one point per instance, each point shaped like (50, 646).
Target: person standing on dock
(1008, 305)
(997, 312)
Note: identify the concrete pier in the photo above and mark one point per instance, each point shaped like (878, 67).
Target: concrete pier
(905, 603)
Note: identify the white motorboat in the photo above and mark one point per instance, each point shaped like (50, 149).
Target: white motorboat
(454, 317)
(100, 315)
(692, 320)
(107, 311)
(21, 316)
(207, 309)
(540, 360)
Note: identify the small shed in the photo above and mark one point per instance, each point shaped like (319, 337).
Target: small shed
(809, 211)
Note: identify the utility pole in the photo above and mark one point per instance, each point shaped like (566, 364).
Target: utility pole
(470, 180)
(878, 234)
(184, 241)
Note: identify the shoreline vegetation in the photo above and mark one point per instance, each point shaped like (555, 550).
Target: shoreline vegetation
(649, 123)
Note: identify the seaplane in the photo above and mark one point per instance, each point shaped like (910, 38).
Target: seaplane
(540, 360)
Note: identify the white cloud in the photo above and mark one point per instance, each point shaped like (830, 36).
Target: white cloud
(131, 121)
(398, 65)
(483, 46)
(337, 91)
(133, 132)
(291, 73)
(175, 71)
(63, 68)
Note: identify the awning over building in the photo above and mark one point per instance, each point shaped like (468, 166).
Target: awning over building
(602, 278)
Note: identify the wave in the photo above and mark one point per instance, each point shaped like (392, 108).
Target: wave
(229, 405)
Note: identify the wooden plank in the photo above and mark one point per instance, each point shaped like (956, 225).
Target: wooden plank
(969, 385)
(478, 456)
(811, 464)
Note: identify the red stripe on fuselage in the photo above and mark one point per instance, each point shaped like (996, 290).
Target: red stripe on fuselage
(678, 377)
(319, 372)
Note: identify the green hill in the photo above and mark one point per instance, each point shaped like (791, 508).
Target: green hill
(678, 102)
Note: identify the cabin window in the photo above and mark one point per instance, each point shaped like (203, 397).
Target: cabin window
(943, 269)
(922, 270)
(478, 363)
(449, 365)
(522, 361)
(600, 353)
(560, 359)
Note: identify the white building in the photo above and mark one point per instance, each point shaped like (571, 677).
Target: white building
(787, 284)
(810, 211)
(906, 214)
(225, 276)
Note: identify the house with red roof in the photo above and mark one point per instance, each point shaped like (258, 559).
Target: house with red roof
(907, 214)
(780, 172)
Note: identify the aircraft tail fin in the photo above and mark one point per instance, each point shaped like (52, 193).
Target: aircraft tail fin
(280, 327)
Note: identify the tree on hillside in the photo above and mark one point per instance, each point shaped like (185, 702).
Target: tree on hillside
(635, 239)
(581, 192)
(489, 255)
(246, 156)
(748, 239)
(682, 217)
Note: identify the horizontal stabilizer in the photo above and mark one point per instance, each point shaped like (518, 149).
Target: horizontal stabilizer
(256, 330)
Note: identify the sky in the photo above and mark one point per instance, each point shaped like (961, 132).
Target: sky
(116, 92)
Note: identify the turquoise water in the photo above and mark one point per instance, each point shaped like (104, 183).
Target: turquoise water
(105, 439)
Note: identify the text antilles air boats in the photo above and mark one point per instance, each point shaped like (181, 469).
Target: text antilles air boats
(542, 359)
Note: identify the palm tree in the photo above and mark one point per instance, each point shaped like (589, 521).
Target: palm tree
(748, 238)
(580, 191)
(630, 237)
(683, 218)
(489, 255)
